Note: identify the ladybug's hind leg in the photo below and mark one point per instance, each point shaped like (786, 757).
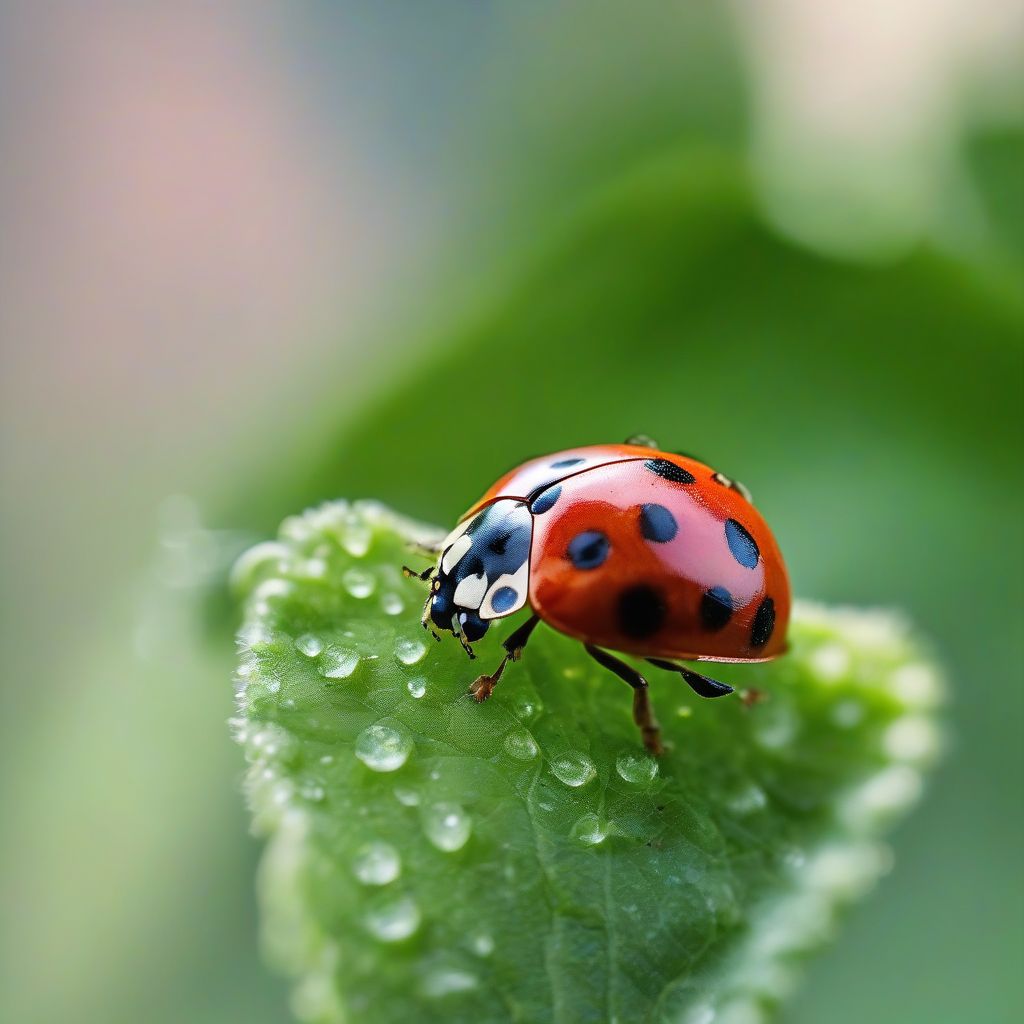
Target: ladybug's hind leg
(483, 686)
(643, 713)
(703, 686)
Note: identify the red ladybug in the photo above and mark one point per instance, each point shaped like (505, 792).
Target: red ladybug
(621, 546)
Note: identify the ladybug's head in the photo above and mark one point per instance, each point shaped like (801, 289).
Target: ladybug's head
(483, 571)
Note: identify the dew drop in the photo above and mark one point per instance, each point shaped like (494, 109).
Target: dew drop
(377, 863)
(740, 1012)
(271, 589)
(886, 792)
(358, 583)
(417, 687)
(312, 568)
(911, 738)
(521, 745)
(339, 663)
(848, 713)
(589, 830)
(295, 528)
(273, 684)
(392, 604)
(407, 797)
(448, 981)
(383, 747)
(394, 922)
(830, 662)
(309, 645)
(775, 725)
(917, 684)
(748, 800)
(269, 555)
(573, 768)
(482, 944)
(638, 769)
(327, 759)
(408, 651)
(702, 1014)
(313, 791)
(527, 707)
(356, 537)
(254, 635)
(447, 826)
(794, 858)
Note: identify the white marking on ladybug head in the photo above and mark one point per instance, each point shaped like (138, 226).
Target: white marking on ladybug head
(455, 552)
(470, 591)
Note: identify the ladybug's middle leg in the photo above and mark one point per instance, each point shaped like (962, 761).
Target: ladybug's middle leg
(643, 713)
(483, 686)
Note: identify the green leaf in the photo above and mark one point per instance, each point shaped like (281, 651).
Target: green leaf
(524, 859)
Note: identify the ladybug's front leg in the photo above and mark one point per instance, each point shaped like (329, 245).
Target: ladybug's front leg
(643, 713)
(483, 686)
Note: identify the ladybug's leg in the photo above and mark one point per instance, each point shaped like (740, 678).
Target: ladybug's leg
(514, 643)
(643, 713)
(701, 685)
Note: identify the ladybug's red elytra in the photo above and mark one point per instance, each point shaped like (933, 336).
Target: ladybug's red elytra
(622, 546)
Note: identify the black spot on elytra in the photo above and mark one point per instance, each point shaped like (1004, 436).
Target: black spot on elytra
(657, 523)
(641, 611)
(589, 549)
(716, 608)
(741, 544)
(566, 463)
(669, 471)
(471, 565)
(546, 500)
(764, 623)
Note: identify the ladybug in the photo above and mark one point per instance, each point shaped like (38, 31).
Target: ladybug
(623, 547)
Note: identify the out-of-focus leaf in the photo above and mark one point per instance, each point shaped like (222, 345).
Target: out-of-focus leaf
(524, 860)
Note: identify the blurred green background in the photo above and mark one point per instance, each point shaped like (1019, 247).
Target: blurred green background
(256, 258)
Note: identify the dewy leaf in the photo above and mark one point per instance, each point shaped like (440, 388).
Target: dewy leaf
(431, 858)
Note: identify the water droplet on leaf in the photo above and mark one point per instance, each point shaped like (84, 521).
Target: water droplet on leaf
(573, 768)
(377, 863)
(339, 663)
(395, 921)
(639, 769)
(408, 651)
(383, 747)
(447, 826)
(521, 745)
(589, 830)
(359, 583)
(309, 645)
